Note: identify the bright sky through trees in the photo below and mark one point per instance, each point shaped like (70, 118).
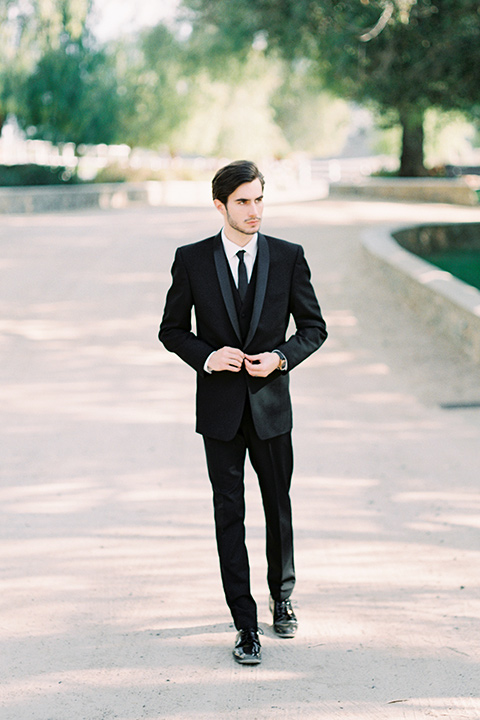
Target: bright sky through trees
(114, 18)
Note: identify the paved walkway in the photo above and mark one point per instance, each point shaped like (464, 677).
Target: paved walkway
(111, 605)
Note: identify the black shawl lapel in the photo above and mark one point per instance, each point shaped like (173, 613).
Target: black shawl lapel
(263, 264)
(223, 272)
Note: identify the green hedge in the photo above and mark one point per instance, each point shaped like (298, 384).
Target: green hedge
(31, 174)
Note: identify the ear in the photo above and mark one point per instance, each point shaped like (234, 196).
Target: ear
(220, 207)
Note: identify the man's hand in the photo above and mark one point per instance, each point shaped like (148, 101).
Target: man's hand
(262, 365)
(226, 358)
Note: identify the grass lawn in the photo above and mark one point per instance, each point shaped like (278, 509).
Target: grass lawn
(464, 264)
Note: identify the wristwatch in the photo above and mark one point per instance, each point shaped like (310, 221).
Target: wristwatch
(283, 360)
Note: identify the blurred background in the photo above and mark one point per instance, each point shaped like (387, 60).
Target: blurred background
(102, 91)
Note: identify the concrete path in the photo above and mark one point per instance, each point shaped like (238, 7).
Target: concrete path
(111, 604)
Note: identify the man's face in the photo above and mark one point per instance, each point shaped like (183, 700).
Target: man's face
(243, 211)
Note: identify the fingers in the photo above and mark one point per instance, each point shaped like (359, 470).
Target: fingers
(232, 359)
(226, 358)
(261, 365)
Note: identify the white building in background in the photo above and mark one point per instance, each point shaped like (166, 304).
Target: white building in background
(16, 149)
(88, 160)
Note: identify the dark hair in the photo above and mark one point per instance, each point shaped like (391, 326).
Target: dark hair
(228, 178)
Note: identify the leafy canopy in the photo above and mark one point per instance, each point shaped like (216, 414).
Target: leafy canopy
(398, 53)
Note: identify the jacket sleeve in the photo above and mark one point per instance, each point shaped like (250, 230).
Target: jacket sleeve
(176, 326)
(311, 329)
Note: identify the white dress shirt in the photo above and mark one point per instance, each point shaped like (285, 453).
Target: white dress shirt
(231, 250)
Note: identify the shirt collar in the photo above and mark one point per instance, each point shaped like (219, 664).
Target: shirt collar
(232, 248)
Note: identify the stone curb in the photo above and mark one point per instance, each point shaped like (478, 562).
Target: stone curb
(54, 198)
(441, 299)
(444, 190)
(175, 193)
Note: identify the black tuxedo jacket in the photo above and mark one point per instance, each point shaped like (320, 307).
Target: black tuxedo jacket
(201, 278)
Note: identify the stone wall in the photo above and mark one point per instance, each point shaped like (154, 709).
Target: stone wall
(442, 300)
(54, 198)
(460, 191)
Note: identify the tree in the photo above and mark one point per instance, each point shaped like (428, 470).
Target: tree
(403, 56)
(224, 110)
(70, 96)
(153, 86)
(311, 119)
(10, 37)
(52, 77)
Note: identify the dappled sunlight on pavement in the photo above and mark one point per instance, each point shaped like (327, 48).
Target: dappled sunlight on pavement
(111, 601)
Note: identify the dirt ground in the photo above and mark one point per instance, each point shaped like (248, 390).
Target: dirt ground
(111, 602)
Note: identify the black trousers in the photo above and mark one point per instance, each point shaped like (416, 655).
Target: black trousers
(272, 461)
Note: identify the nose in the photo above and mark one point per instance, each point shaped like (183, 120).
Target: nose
(252, 209)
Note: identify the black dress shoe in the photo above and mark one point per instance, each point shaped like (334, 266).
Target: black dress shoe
(247, 650)
(285, 623)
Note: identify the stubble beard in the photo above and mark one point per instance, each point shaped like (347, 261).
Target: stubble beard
(237, 227)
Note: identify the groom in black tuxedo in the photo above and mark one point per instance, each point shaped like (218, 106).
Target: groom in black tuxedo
(244, 287)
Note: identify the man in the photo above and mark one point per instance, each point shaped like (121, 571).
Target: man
(244, 286)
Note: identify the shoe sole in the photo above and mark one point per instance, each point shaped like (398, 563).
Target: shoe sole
(285, 636)
(247, 661)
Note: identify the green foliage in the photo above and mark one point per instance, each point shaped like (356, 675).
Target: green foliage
(116, 173)
(30, 29)
(51, 77)
(311, 119)
(449, 138)
(153, 88)
(396, 52)
(231, 115)
(69, 97)
(402, 55)
(256, 77)
(30, 174)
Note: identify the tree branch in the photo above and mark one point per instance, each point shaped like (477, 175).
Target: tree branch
(382, 21)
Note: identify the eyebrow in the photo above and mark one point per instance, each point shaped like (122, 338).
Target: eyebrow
(260, 197)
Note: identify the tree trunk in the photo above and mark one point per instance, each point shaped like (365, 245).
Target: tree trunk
(411, 163)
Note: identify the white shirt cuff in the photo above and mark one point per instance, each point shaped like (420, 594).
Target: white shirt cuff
(205, 367)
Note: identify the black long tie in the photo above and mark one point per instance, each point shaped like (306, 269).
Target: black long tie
(242, 275)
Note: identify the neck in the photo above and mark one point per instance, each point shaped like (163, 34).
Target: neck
(240, 239)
